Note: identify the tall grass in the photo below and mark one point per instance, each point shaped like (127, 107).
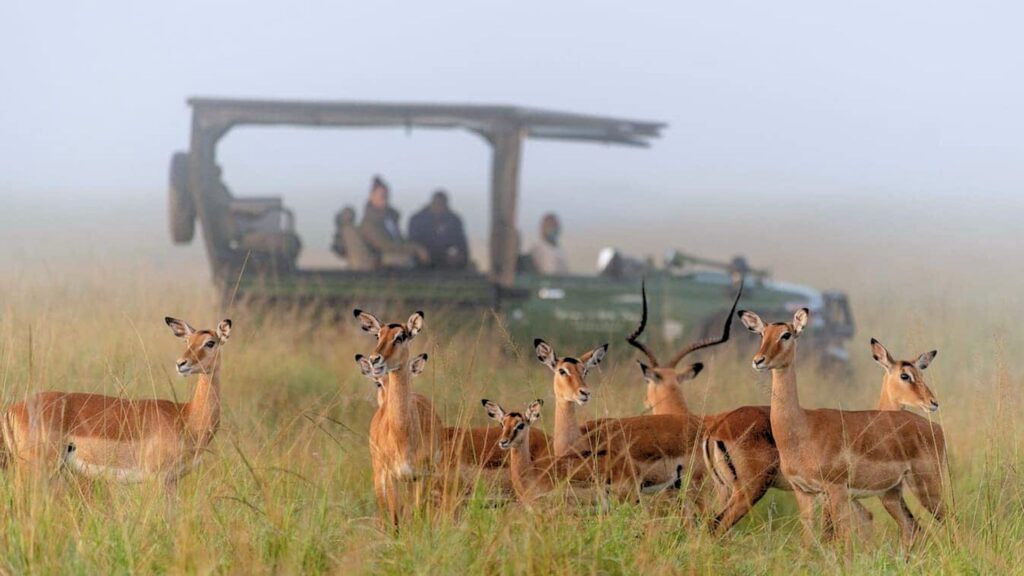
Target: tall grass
(286, 486)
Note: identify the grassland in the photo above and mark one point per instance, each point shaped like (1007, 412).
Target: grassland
(286, 487)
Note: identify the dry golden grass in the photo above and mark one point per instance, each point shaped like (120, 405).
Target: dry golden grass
(286, 487)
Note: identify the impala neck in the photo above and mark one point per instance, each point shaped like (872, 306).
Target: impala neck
(520, 465)
(204, 409)
(788, 419)
(567, 429)
(671, 403)
(886, 402)
(398, 400)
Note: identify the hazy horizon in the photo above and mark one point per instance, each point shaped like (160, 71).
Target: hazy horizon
(876, 134)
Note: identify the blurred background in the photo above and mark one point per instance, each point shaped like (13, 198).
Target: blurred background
(847, 146)
(872, 148)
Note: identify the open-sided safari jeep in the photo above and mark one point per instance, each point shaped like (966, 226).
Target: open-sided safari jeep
(251, 243)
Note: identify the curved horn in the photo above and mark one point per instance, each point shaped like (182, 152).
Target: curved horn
(701, 344)
(640, 330)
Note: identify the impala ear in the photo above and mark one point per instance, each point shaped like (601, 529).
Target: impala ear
(224, 330)
(418, 365)
(494, 412)
(365, 367)
(533, 411)
(415, 324)
(368, 322)
(648, 373)
(180, 328)
(925, 360)
(881, 355)
(690, 373)
(593, 358)
(800, 319)
(545, 353)
(752, 321)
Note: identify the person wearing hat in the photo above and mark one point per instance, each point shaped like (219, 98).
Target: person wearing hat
(382, 235)
(548, 257)
(440, 231)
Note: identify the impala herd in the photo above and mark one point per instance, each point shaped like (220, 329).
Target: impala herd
(720, 464)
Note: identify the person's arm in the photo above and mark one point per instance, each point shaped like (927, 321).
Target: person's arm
(461, 243)
(377, 237)
(418, 230)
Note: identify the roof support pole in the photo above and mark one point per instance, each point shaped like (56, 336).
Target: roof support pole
(507, 147)
(201, 180)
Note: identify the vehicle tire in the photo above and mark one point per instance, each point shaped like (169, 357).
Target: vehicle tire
(181, 208)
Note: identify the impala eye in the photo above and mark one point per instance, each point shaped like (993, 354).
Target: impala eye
(562, 372)
(905, 377)
(211, 343)
(519, 427)
(786, 336)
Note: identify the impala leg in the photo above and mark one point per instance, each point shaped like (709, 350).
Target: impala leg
(860, 515)
(839, 511)
(863, 518)
(928, 490)
(896, 506)
(744, 496)
(171, 489)
(805, 501)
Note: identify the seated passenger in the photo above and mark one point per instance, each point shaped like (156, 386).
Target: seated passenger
(440, 231)
(348, 244)
(379, 229)
(548, 257)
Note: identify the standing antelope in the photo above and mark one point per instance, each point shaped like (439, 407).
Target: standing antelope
(740, 449)
(533, 476)
(845, 454)
(473, 450)
(405, 435)
(122, 439)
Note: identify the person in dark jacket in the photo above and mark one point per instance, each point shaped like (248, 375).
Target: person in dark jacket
(440, 231)
(381, 233)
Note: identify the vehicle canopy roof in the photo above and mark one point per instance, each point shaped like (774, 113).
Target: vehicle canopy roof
(503, 127)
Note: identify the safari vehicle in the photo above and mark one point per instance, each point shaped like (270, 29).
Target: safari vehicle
(253, 247)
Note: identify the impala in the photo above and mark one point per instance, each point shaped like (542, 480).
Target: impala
(576, 443)
(473, 450)
(740, 449)
(845, 454)
(121, 439)
(669, 437)
(405, 435)
(533, 477)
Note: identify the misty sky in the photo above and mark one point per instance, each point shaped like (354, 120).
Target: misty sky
(885, 101)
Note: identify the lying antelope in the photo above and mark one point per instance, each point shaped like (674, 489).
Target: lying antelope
(122, 439)
(405, 434)
(571, 439)
(669, 437)
(473, 450)
(533, 477)
(570, 389)
(845, 454)
(740, 449)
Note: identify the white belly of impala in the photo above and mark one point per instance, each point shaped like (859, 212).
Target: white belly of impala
(123, 475)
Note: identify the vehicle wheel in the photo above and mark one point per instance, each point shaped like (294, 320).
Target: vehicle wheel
(181, 208)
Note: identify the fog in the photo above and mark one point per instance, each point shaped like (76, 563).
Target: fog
(886, 134)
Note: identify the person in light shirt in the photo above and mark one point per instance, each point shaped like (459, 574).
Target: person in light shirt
(548, 257)
(379, 230)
